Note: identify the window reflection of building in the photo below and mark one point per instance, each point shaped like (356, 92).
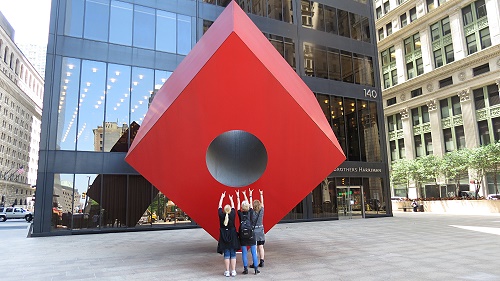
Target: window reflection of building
(104, 139)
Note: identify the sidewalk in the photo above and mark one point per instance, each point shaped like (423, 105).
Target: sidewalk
(409, 246)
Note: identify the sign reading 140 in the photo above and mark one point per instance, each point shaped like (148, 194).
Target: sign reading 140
(371, 93)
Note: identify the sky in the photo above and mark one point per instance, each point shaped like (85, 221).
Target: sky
(29, 18)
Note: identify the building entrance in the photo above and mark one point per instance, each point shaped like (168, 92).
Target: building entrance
(349, 202)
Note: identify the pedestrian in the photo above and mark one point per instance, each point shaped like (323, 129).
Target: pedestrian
(246, 214)
(414, 204)
(228, 237)
(258, 213)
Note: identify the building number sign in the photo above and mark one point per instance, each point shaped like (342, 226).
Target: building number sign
(370, 93)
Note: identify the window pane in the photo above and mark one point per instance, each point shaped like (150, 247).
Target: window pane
(91, 104)
(467, 15)
(350, 114)
(117, 106)
(445, 110)
(460, 137)
(446, 26)
(184, 34)
(357, 64)
(343, 23)
(120, 26)
(484, 34)
(96, 20)
(438, 58)
(479, 98)
(331, 20)
(356, 30)
(450, 56)
(493, 95)
(415, 116)
(435, 32)
(142, 89)
(419, 150)
(448, 140)
(68, 104)
(480, 9)
(425, 114)
(275, 9)
(471, 43)
(320, 62)
(428, 144)
(74, 18)
(410, 70)
(166, 31)
(484, 133)
(290, 52)
(347, 70)
(455, 102)
(144, 27)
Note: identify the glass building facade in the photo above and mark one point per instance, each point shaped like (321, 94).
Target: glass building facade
(105, 61)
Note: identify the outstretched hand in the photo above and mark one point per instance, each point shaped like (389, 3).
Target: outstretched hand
(250, 191)
(237, 193)
(231, 197)
(261, 191)
(223, 194)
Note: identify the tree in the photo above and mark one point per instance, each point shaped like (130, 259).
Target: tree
(455, 165)
(491, 154)
(479, 162)
(425, 169)
(401, 172)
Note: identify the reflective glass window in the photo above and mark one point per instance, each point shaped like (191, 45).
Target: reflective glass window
(331, 20)
(161, 77)
(290, 52)
(288, 11)
(318, 19)
(63, 202)
(142, 89)
(320, 62)
(445, 109)
(68, 104)
(117, 105)
(493, 95)
(96, 20)
(184, 34)
(74, 18)
(91, 104)
(338, 122)
(144, 27)
(484, 132)
(356, 26)
(275, 9)
(166, 31)
(120, 23)
(259, 7)
(333, 58)
(347, 70)
(343, 18)
(350, 114)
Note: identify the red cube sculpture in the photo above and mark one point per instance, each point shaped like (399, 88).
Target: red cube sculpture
(234, 84)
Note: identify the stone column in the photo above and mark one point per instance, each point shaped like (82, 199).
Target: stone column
(426, 49)
(457, 31)
(407, 133)
(469, 118)
(400, 61)
(436, 128)
(494, 20)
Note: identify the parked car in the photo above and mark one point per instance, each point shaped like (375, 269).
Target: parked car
(15, 213)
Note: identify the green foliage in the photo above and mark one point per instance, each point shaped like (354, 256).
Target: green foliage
(456, 164)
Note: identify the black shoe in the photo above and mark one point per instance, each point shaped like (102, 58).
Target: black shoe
(252, 266)
(245, 271)
(257, 270)
(261, 264)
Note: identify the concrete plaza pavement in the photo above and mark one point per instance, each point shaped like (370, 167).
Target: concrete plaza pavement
(408, 246)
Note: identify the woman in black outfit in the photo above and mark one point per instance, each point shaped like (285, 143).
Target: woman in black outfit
(246, 214)
(228, 237)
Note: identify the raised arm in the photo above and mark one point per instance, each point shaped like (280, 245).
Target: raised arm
(261, 198)
(250, 191)
(232, 202)
(238, 199)
(245, 195)
(222, 198)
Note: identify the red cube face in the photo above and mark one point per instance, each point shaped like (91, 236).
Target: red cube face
(234, 116)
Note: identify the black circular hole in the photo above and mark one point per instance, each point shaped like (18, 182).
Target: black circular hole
(236, 158)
